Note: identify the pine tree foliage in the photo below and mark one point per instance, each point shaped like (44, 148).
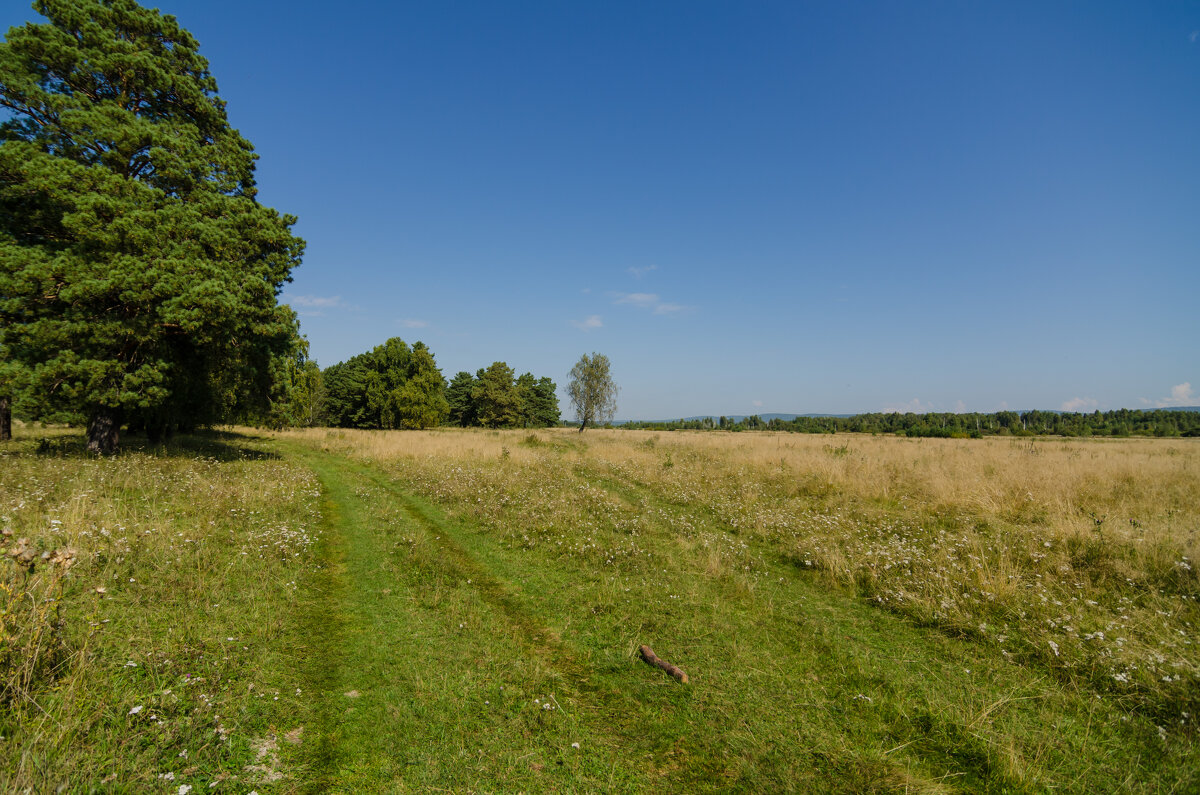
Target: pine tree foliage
(459, 398)
(497, 402)
(494, 399)
(421, 401)
(138, 274)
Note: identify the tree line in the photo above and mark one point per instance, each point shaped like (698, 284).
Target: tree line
(1119, 422)
(395, 386)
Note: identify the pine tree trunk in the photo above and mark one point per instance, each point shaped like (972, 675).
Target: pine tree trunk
(103, 431)
(5, 418)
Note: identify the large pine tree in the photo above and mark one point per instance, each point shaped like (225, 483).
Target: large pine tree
(138, 274)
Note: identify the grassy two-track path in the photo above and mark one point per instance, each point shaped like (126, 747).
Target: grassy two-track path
(438, 659)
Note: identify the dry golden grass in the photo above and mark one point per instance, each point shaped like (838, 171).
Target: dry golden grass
(1073, 555)
(1063, 485)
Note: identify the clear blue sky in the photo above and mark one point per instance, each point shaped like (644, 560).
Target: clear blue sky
(749, 207)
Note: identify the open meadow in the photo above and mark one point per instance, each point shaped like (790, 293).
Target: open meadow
(461, 610)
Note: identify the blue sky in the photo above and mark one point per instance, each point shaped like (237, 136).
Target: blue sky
(749, 207)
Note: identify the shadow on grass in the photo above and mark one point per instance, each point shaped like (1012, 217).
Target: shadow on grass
(219, 445)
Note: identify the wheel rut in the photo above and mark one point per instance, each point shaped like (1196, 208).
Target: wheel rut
(602, 704)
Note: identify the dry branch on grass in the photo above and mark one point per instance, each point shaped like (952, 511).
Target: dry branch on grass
(649, 656)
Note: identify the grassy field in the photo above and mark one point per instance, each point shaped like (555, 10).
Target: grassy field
(461, 611)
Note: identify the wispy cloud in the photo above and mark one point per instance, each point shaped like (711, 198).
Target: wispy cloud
(915, 406)
(588, 323)
(756, 403)
(1080, 404)
(314, 305)
(315, 301)
(1195, 34)
(409, 322)
(638, 273)
(960, 407)
(650, 301)
(1181, 395)
(637, 299)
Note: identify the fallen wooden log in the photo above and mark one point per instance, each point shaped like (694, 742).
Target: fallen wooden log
(649, 656)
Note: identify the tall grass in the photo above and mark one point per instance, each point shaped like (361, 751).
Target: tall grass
(1073, 557)
(144, 599)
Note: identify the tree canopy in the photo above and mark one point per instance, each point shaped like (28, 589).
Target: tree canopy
(592, 391)
(138, 273)
(390, 386)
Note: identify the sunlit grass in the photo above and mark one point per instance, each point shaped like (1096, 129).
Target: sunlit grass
(363, 611)
(1074, 556)
(141, 640)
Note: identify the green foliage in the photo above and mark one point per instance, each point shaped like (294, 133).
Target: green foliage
(1121, 422)
(592, 391)
(388, 387)
(496, 399)
(138, 274)
(306, 397)
(461, 404)
(421, 401)
(539, 403)
(295, 394)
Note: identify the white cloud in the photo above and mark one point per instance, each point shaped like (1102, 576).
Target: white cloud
(1195, 34)
(915, 406)
(756, 403)
(1080, 404)
(649, 301)
(1181, 395)
(315, 305)
(315, 301)
(588, 323)
(637, 299)
(640, 272)
(409, 322)
(960, 407)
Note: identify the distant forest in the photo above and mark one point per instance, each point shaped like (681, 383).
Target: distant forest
(1121, 422)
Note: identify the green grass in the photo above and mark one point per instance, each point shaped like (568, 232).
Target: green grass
(416, 641)
(177, 670)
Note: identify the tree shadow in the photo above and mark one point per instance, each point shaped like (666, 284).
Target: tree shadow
(218, 445)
